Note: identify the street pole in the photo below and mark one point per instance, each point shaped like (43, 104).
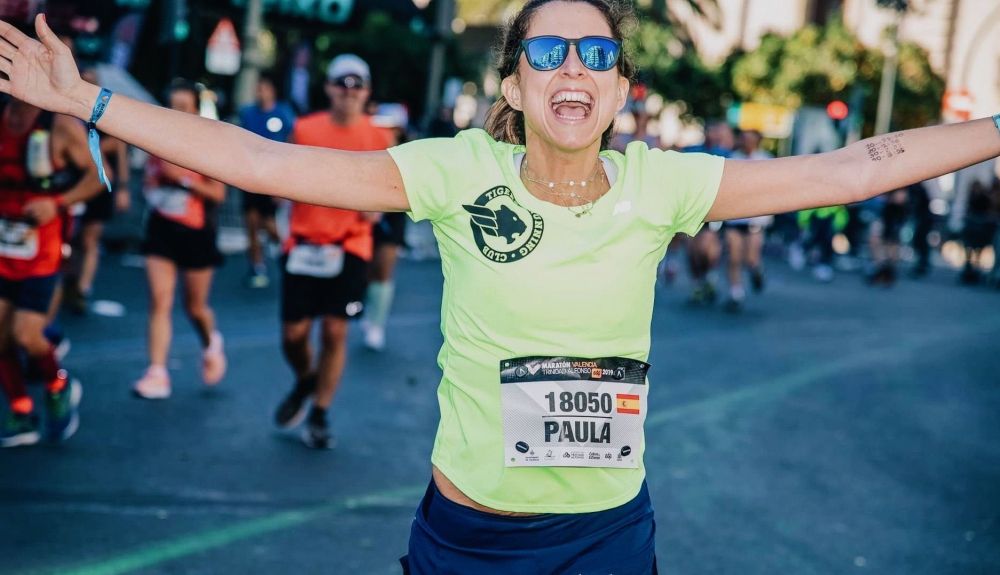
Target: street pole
(887, 89)
(246, 81)
(443, 15)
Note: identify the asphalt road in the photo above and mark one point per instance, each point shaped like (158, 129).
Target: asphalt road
(828, 429)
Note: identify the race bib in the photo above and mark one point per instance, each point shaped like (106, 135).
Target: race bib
(169, 200)
(325, 261)
(18, 240)
(573, 412)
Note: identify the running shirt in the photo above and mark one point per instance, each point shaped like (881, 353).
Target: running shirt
(169, 198)
(762, 221)
(526, 279)
(274, 124)
(28, 171)
(321, 225)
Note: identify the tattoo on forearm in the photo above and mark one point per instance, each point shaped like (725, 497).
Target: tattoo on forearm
(884, 147)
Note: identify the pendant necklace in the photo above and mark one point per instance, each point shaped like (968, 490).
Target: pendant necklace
(550, 188)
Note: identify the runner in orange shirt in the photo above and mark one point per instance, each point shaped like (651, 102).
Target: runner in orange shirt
(326, 257)
(180, 236)
(44, 168)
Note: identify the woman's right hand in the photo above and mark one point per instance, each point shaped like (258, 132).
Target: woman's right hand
(43, 73)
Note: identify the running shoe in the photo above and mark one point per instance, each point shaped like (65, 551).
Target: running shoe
(62, 348)
(74, 298)
(62, 416)
(292, 410)
(154, 384)
(757, 280)
(257, 278)
(374, 337)
(317, 435)
(19, 429)
(213, 361)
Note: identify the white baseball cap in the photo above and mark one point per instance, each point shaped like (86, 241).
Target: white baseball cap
(348, 65)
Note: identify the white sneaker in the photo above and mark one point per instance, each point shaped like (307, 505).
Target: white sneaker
(154, 384)
(375, 337)
(213, 361)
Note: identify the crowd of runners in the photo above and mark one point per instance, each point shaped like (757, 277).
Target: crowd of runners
(336, 265)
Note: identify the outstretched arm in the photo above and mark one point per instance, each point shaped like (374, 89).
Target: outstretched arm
(857, 172)
(44, 74)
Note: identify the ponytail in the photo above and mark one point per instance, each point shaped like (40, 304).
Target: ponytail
(504, 123)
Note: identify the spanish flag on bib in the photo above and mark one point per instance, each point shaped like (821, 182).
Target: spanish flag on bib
(627, 403)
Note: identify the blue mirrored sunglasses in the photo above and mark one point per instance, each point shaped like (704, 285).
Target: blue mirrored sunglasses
(546, 53)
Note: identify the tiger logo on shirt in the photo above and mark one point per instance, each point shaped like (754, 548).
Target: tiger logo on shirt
(504, 230)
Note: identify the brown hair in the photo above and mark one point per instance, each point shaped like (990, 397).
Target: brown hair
(505, 123)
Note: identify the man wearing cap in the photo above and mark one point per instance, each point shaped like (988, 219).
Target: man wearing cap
(326, 257)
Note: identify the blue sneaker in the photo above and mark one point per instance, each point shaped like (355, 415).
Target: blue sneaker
(19, 429)
(61, 410)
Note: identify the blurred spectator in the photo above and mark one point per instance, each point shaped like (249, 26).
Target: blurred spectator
(273, 119)
(704, 249)
(980, 227)
(620, 141)
(442, 125)
(819, 226)
(884, 238)
(923, 222)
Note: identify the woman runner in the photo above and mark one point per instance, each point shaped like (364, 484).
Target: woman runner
(549, 248)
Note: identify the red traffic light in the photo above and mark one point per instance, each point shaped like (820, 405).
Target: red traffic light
(837, 110)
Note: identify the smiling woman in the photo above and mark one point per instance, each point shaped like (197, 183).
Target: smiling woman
(549, 246)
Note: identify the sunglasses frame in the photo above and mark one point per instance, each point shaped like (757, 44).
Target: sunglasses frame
(570, 42)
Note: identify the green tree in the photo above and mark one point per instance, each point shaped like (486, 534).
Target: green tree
(819, 64)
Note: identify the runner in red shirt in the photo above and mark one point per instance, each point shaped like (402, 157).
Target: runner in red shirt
(45, 167)
(180, 236)
(326, 256)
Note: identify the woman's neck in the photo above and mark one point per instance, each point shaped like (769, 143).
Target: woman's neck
(561, 166)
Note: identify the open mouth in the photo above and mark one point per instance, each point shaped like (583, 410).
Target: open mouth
(571, 105)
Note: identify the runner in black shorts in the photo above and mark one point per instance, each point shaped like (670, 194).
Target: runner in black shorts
(274, 120)
(326, 258)
(180, 244)
(884, 238)
(44, 168)
(97, 211)
(389, 234)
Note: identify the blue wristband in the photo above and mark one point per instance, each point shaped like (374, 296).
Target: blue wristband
(996, 121)
(94, 140)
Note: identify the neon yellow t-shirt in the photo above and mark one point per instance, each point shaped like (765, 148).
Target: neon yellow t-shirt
(533, 279)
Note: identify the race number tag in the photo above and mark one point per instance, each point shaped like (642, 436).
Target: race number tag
(18, 240)
(169, 200)
(326, 261)
(573, 412)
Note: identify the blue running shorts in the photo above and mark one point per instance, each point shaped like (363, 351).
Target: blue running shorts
(450, 539)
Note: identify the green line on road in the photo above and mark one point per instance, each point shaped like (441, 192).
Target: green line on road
(212, 539)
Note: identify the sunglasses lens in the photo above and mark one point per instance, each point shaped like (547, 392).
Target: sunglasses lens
(598, 54)
(546, 53)
(349, 82)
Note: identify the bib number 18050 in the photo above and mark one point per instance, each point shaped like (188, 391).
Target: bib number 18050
(580, 402)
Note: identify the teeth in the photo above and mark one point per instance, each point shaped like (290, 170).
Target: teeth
(581, 97)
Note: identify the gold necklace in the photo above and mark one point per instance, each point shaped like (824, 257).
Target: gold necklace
(549, 188)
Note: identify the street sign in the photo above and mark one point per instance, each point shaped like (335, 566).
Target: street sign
(770, 121)
(958, 104)
(222, 56)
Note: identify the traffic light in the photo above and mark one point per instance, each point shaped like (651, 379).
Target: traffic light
(837, 110)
